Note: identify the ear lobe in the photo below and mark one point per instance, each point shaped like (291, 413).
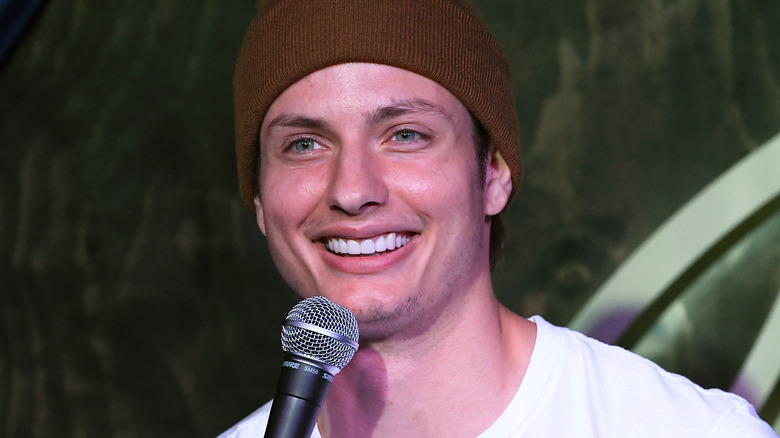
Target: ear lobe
(259, 214)
(498, 184)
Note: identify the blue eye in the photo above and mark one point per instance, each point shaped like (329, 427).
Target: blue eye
(405, 135)
(305, 144)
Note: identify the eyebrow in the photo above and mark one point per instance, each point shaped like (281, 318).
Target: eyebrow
(374, 117)
(405, 107)
(298, 121)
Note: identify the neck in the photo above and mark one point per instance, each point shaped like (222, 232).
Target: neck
(473, 360)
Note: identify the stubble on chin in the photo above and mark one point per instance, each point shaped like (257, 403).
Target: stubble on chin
(379, 323)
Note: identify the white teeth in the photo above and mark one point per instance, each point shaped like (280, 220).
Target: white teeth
(384, 243)
(367, 247)
(380, 245)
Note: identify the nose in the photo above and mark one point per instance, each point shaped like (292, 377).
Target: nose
(356, 183)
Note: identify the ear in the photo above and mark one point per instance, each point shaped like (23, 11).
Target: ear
(498, 183)
(259, 214)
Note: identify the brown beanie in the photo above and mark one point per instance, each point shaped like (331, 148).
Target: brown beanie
(443, 40)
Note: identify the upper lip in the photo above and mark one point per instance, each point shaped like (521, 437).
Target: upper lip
(369, 231)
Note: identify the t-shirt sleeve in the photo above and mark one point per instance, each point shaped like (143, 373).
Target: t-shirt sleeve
(251, 426)
(743, 422)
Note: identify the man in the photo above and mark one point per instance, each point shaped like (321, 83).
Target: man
(377, 144)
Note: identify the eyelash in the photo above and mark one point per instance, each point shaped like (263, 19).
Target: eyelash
(417, 135)
(291, 145)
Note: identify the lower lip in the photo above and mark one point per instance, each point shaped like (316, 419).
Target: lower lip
(367, 264)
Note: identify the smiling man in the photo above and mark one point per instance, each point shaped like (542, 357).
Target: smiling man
(371, 195)
(377, 145)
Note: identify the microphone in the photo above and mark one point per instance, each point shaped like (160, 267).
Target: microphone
(319, 338)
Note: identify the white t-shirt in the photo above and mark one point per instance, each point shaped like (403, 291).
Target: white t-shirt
(578, 387)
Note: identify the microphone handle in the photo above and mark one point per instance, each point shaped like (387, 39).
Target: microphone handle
(300, 394)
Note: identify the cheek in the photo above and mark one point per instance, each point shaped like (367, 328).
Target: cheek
(288, 201)
(448, 184)
(414, 184)
(287, 197)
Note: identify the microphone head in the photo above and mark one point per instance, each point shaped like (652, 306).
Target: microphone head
(321, 330)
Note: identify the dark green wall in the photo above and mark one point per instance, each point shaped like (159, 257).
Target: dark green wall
(136, 295)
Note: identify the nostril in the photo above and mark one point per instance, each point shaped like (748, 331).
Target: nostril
(356, 187)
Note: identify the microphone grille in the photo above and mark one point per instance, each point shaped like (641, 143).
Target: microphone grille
(329, 322)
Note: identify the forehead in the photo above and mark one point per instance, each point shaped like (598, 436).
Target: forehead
(363, 89)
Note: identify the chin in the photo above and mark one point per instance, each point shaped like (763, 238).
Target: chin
(378, 320)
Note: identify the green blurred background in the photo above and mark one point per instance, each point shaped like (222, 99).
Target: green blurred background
(137, 298)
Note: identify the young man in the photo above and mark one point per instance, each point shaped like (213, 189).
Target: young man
(377, 142)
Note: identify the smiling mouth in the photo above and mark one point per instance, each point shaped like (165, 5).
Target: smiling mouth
(361, 247)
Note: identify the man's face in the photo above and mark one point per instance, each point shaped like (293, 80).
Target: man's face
(369, 195)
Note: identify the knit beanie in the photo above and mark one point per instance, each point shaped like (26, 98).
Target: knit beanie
(443, 40)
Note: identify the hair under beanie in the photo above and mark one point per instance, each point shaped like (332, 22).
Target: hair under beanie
(443, 40)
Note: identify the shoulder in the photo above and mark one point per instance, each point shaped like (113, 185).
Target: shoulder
(251, 426)
(625, 388)
(743, 421)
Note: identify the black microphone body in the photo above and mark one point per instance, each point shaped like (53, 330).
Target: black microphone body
(299, 396)
(319, 338)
